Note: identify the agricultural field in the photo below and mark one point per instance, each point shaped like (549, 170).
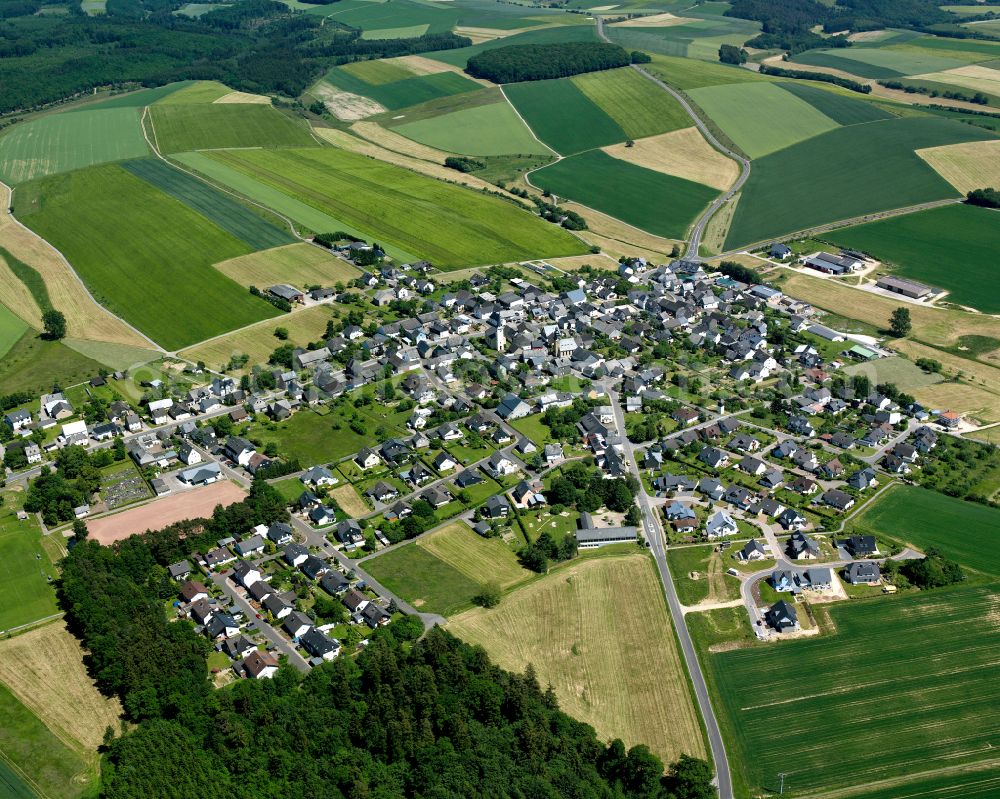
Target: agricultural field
(258, 341)
(405, 209)
(840, 108)
(299, 264)
(202, 91)
(34, 364)
(33, 761)
(878, 62)
(747, 115)
(546, 105)
(952, 247)
(423, 580)
(686, 73)
(210, 126)
(563, 33)
(142, 253)
(12, 327)
(393, 86)
(639, 106)
(968, 166)
(862, 168)
(967, 532)
(923, 700)
(236, 219)
(901, 372)
(598, 651)
(611, 186)
(482, 560)
(687, 35)
(70, 140)
(349, 501)
(44, 669)
(493, 129)
(27, 594)
(85, 319)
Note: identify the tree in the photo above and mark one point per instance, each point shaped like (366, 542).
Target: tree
(899, 322)
(79, 530)
(281, 333)
(489, 595)
(731, 54)
(55, 324)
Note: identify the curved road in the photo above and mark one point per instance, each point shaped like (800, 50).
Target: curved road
(694, 240)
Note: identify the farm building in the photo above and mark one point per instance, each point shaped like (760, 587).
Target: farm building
(908, 288)
(590, 537)
(833, 264)
(285, 292)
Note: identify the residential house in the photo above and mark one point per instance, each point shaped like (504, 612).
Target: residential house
(782, 617)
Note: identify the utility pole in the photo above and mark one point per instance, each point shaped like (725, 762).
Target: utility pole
(781, 783)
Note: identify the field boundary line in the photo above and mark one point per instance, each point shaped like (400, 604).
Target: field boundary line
(559, 156)
(21, 628)
(76, 275)
(22, 774)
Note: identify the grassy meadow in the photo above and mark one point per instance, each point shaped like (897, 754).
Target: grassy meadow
(299, 264)
(12, 327)
(402, 208)
(640, 107)
(27, 594)
(597, 629)
(493, 129)
(953, 247)
(70, 140)
(34, 364)
(142, 253)
(209, 126)
(652, 201)
(903, 688)
(965, 531)
(423, 580)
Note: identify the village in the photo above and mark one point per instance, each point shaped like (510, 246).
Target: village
(722, 404)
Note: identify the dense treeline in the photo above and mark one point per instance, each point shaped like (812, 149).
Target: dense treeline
(987, 198)
(407, 717)
(519, 62)
(799, 74)
(951, 94)
(788, 25)
(252, 45)
(739, 272)
(77, 476)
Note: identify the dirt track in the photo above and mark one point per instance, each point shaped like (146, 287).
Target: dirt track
(194, 504)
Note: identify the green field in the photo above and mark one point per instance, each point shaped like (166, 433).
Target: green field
(371, 16)
(546, 105)
(236, 219)
(876, 62)
(405, 209)
(493, 129)
(12, 327)
(953, 247)
(482, 560)
(34, 364)
(979, 782)
(138, 99)
(965, 531)
(841, 109)
(202, 91)
(33, 756)
(698, 39)
(861, 169)
(27, 594)
(639, 106)
(761, 118)
(687, 73)
(904, 687)
(657, 203)
(403, 92)
(145, 255)
(426, 582)
(61, 142)
(208, 126)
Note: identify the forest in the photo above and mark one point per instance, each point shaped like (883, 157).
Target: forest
(252, 45)
(520, 62)
(408, 716)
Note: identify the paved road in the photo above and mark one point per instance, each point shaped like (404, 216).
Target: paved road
(656, 539)
(694, 239)
(272, 635)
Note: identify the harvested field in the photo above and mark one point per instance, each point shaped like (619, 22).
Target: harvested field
(975, 77)
(616, 238)
(421, 65)
(970, 401)
(299, 264)
(480, 559)
(682, 153)
(966, 166)
(44, 669)
(598, 653)
(85, 319)
(391, 140)
(665, 20)
(598, 261)
(350, 501)
(194, 504)
(258, 341)
(345, 106)
(244, 97)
